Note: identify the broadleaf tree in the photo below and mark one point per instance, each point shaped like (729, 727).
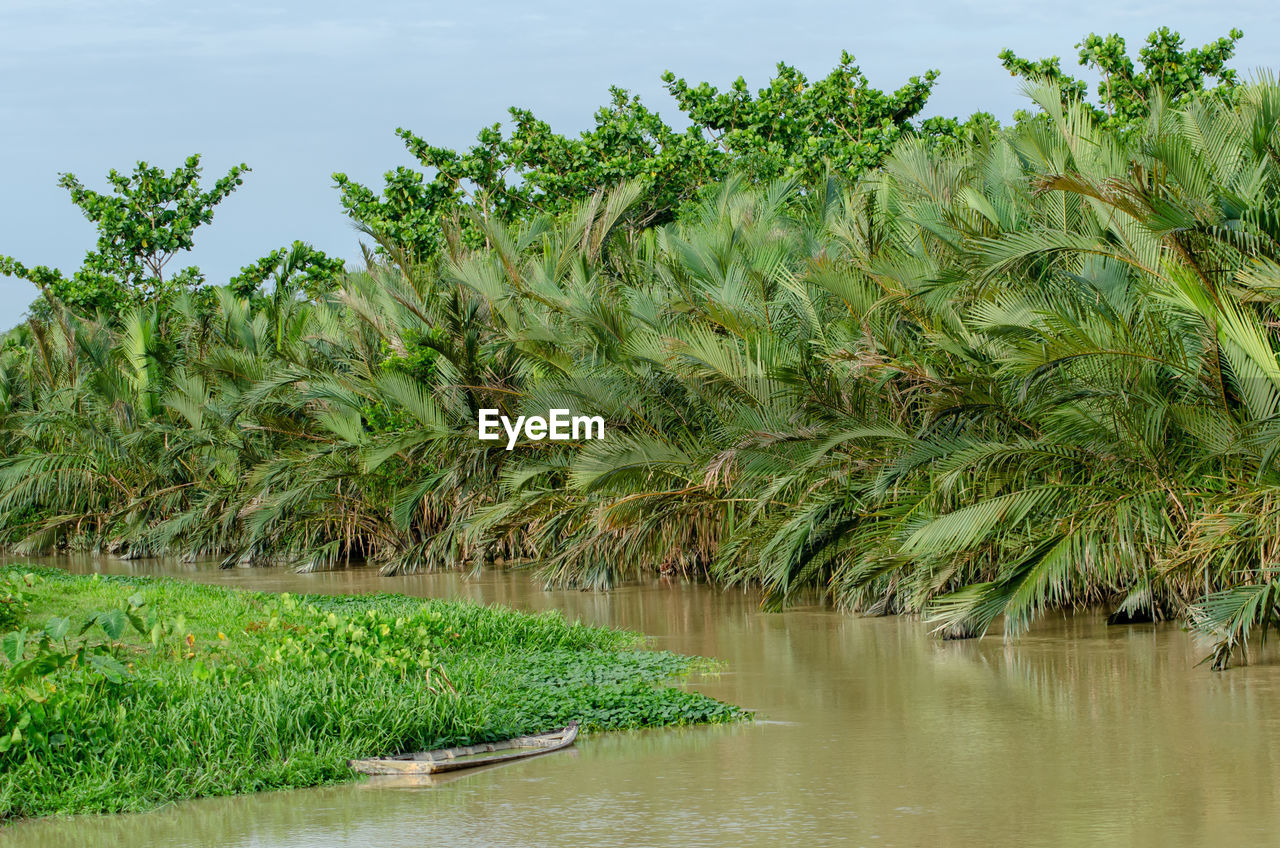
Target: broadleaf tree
(1126, 91)
(793, 127)
(147, 218)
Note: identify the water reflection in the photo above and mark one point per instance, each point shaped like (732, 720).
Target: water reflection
(874, 734)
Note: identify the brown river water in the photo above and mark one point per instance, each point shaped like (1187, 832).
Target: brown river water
(869, 732)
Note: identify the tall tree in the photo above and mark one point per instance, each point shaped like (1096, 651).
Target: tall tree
(1125, 92)
(147, 218)
(791, 127)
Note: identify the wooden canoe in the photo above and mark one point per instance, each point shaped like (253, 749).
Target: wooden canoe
(470, 756)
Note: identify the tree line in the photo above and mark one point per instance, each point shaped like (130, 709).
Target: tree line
(981, 372)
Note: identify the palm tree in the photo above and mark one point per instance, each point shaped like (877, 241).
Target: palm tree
(1035, 371)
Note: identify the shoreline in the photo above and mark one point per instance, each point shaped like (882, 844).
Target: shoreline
(192, 691)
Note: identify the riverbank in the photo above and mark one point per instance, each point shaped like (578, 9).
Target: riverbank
(122, 693)
(877, 721)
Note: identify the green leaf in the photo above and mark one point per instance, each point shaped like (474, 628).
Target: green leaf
(58, 628)
(13, 645)
(112, 622)
(108, 667)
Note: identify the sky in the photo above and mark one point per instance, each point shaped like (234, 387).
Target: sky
(299, 90)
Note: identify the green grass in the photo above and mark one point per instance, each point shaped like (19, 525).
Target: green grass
(177, 690)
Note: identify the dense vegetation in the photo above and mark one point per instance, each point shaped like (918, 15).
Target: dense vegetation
(124, 693)
(1001, 371)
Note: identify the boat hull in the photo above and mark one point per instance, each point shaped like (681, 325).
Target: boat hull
(469, 756)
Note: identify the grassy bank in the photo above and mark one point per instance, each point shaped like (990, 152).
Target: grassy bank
(123, 693)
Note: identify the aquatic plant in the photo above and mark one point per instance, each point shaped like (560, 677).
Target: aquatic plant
(124, 693)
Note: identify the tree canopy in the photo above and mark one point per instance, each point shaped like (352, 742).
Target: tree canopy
(792, 127)
(1126, 92)
(149, 217)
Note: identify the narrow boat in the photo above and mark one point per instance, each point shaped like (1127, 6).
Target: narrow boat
(470, 756)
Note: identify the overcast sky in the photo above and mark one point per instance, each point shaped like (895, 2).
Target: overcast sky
(299, 90)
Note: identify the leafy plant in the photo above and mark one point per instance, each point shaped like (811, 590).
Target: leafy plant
(15, 598)
(1127, 93)
(44, 669)
(149, 217)
(791, 127)
(182, 690)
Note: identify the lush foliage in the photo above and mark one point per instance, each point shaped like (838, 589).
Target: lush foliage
(1125, 92)
(123, 693)
(148, 218)
(791, 127)
(1028, 368)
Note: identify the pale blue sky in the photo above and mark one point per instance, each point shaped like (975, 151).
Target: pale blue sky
(299, 90)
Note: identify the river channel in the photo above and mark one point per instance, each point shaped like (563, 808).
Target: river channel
(869, 732)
